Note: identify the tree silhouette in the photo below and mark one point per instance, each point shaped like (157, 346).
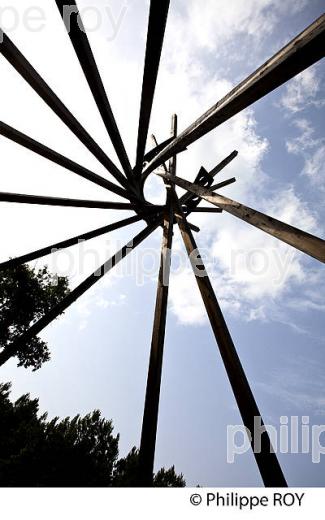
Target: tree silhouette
(25, 296)
(77, 452)
(126, 473)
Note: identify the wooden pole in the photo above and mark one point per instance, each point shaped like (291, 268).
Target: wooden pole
(309, 244)
(223, 184)
(151, 408)
(155, 38)
(187, 197)
(150, 417)
(304, 50)
(156, 149)
(25, 69)
(154, 140)
(266, 460)
(193, 201)
(58, 201)
(206, 210)
(173, 159)
(40, 149)
(71, 16)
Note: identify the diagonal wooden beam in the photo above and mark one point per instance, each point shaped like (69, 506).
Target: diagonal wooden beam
(40, 149)
(71, 17)
(266, 459)
(194, 227)
(304, 50)
(29, 257)
(193, 201)
(58, 201)
(155, 37)
(309, 244)
(187, 197)
(25, 69)
(206, 210)
(151, 408)
(156, 149)
(59, 309)
(222, 184)
(221, 165)
(155, 142)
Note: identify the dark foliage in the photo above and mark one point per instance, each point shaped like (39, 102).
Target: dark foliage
(77, 452)
(126, 471)
(25, 296)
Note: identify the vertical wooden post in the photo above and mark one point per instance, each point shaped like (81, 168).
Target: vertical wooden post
(265, 457)
(173, 133)
(151, 408)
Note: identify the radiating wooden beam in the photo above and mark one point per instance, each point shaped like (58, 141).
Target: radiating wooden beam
(223, 184)
(156, 149)
(203, 178)
(266, 459)
(173, 133)
(221, 165)
(40, 149)
(304, 50)
(58, 201)
(151, 408)
(193, 201)
(58, 246)
(155, 142)
(25, 69)
(155, 37)
(309, 244)
(71, 17)
(187, 197)
(206, 210)
(193, 227)
(59, 309)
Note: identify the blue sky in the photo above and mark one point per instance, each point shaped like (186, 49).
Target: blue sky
(272, 296)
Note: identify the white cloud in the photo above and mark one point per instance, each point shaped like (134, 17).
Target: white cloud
(315, 165)
(212, 23)
(97, 298)
(304, 140)
(311, 149)
(257, 314)
(185, 299)
(301, 91)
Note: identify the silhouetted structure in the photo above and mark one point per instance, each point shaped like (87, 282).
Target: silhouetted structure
(304, 50)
